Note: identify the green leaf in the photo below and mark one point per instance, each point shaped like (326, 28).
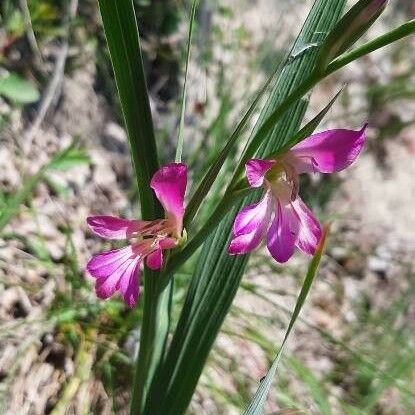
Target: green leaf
(217, 274)
(121, 31)
(13, 203)
(256, 406)
(18, 89)
(394, 35)
(179, 149)
(72, 158)
(317, 392)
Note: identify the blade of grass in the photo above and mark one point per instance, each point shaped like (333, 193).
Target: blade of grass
(316, 390)
(68, 157)
(399, 367)
(363, 361)
(121, 31)
(256, 405)
(179, 149)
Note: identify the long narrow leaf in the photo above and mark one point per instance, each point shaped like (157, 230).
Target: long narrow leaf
(256, 406)
(123, 40)
(179, 149)
(68, 157)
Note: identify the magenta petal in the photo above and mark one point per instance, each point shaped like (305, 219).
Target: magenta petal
(169, 184)
(310, 230)
(256, 170)
(329, 151)
(250, 226)
(111, 227)
(283, 232)
(129, 284)
(155, 259)
(106, 286)
(106, 263)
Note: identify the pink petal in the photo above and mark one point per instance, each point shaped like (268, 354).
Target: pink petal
(111, 227)
(169, 184)
(155, 259)
(129, 284)
(283, 232)
(256, 170)
(106, 286)
(329, 151)
(310, 230)
(250, 226)
(106, 263)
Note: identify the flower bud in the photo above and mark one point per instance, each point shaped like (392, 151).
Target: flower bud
(349, 29)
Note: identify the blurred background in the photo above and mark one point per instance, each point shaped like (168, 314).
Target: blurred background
(64, 155)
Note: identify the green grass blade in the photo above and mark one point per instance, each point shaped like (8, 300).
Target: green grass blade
(179, 149)
(207, 181)
(317, 392)
(256, 406)
(65, 159)
(399, 367)
(18, 89)
(123, 40)
(217, 274)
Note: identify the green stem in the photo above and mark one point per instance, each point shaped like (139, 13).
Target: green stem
(400, 32)
(154, 329)
(179, 148)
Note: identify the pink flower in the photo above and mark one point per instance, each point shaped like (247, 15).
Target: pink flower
(119, 269)
(293, 224)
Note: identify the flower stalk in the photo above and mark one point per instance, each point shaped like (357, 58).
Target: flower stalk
(349, 29)
(157, 299)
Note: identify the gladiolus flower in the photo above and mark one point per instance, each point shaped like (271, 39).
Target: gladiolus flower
(293, 224)
(119, 269)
